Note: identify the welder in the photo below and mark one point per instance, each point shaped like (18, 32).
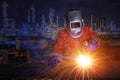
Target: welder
(74, 39)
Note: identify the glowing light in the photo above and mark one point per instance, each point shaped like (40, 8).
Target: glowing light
(84, 61)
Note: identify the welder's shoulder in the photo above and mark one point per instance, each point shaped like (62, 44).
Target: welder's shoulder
(86, 28)
(63, 31)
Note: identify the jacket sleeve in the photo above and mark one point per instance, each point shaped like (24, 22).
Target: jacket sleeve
(58, 46)
(93, 36)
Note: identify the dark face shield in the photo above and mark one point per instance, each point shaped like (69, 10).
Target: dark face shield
(75, 29)
(75, 25)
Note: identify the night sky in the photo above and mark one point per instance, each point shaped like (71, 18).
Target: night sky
(18, 9)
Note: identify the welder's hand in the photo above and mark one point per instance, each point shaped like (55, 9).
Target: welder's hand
(54, 60)
(92, 45)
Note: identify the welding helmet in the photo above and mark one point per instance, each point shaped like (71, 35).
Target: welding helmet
(75, 23)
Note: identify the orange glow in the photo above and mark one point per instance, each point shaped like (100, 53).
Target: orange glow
(84, 61)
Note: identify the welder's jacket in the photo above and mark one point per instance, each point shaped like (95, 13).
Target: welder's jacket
(66, 45)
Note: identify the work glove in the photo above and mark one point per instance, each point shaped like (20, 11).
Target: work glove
(54, 60)
(93, 44)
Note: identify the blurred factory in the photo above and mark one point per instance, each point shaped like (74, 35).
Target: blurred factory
(21, 39)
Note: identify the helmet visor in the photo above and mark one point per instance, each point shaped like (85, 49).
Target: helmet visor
(75, 25)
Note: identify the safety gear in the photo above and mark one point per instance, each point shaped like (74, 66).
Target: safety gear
(92, 45)
(75, 29)
(75, 23)
(74, 15)
(54, 60)
(65, 45)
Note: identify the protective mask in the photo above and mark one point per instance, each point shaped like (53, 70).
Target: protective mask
(75, 29)
(75, 33)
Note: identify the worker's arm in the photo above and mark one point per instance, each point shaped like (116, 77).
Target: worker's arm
(94, 42)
